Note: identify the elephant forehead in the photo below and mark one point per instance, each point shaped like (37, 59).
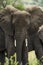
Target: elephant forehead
(21, 12)
(21, 24)
(21, 21)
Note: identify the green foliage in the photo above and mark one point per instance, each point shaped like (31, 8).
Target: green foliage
(20, 4)
(32, 60)
(20, 7)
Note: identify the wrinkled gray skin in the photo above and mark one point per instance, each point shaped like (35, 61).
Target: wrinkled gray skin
(33, 37)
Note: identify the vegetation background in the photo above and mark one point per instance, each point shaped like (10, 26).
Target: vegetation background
(21, 4)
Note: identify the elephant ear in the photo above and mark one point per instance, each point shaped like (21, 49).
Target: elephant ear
(10, 9)
(40, 32)
(35, 11)
(7, 13)
(5, 16)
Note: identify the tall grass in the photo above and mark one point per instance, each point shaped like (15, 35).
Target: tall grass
(32, 60)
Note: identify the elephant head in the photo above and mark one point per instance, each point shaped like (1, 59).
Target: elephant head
(20, 23)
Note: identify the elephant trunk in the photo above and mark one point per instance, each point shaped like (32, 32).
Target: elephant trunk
(19, 36)
(19, 44)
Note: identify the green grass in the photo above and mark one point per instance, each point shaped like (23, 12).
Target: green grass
(32, 60)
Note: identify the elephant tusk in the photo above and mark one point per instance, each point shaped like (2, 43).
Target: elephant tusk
(15, 43)
(26, 42)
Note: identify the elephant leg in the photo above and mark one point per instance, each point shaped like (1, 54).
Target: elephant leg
(25, 53)
(2, 57)
(38, 48)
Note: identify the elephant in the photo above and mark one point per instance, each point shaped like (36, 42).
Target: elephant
(21, 25)
(18, 25)
(36, 20)
(15, 24)
(6, 33)
(37, 44)
(40, 33)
